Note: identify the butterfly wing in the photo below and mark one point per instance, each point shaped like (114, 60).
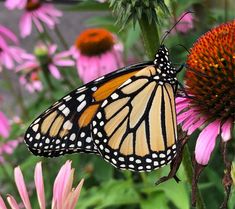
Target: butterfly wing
(65, 126)
(135, 128)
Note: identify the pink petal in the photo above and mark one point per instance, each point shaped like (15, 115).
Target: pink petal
(64, 63)
(25, 24)
(183, 116)
(54, 71)
(226, 130)
(74, 195)
(63, 54)
(52, 49)
(206, 142)
(4, 126)
(51, 10)
(7, 60)
(37, 24)
(9, 34)
(196, 125)
(44, 18)
(2, 204)
(38, 179)
(12, 202)
(20, 183)
(60, 184)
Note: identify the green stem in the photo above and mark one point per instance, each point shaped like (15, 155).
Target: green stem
(188, 168)
(17, 94)
(150, 36)
(61, 38)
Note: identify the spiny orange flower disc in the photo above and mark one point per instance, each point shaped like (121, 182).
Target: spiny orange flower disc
(32, 5)
(213, 57)
(94, 41)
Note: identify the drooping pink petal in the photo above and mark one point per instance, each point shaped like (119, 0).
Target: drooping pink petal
(54, 71)
(4, 126)
(13, 4)
(20, 183)
(37, 24)
(7, 60)
(183, 116)
(38, 179)
(2, 203)
(44, 18)
(206, 142)
(25, 24)
(12, 202)
(8, 34)
(52, 11)
(226, 130)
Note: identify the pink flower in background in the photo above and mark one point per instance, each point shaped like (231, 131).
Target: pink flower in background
(46, 59)
(211, 86)
(54, 60)
(185, 24)
(97, 53)
(4, 126)
(64, 196)
(35, 11)
(9, 54)
(29, 74)
(8, 147)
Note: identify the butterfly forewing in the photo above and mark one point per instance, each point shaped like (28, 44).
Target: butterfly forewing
(135, 128)
(65, 126)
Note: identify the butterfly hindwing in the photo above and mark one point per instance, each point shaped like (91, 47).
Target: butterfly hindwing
(65, 126)
(135, 128)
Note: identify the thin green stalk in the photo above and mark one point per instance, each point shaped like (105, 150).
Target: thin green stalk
(188, 168)
(17, 94)
(150, 36)
(61, 38)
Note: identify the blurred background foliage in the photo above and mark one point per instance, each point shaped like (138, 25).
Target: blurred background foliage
(106, 187)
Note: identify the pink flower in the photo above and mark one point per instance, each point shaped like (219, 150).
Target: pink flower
(9, 54)
(64, 196)
(34, 12)
(46, 59)
(4, 126)
(211, 106)
(29, 73)
(185, 24)
(97, 53)
(8, 148)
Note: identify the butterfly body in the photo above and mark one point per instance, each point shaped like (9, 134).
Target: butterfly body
(128, 117)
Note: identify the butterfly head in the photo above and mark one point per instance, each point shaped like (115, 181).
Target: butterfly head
(166, 71)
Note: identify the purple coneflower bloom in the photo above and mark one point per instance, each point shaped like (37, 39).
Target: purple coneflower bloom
(9, 54)
(97, 53)
(64, 196)
(35, 11)
(212, 104)
(48, 60)
(185, 24)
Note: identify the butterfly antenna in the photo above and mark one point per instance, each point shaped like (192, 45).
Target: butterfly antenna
(169, 31)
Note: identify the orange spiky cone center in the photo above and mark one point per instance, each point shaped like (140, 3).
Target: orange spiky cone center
(211, 72)
(94, 41)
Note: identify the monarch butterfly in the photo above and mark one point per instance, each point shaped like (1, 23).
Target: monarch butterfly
(128, 117)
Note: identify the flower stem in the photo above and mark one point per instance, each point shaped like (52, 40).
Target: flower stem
(61, 38)
(188, 168)
(150, 36)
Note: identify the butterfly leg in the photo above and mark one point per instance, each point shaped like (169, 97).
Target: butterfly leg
(175, 163)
